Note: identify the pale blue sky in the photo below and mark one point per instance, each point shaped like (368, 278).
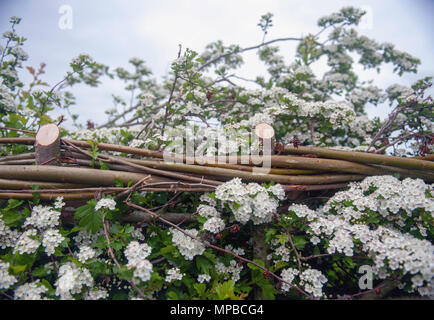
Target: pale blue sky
(113, 31)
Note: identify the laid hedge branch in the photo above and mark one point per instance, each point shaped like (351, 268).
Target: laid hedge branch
(228, 174)
(138, 216)
(73, 175)
(294, 173)
(51, 196)
(23, 184)
(359, 157)
(363, 157)
(109, 159)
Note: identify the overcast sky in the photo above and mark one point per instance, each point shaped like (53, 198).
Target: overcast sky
(114, 31)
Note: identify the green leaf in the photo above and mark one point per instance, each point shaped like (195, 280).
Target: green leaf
(200, 288)
(268, 291)
(269, 234)
(119, 183)
(103, 166)
(114, 228)
(46, 284)
(123, 273)
(129, 229)
(167, 249)
(89, 218)
(18, 269)
(39, 271)
(171, 295)
(299, 242)
(225, 290)
(13, 203)
(203, 264)
(11, 217)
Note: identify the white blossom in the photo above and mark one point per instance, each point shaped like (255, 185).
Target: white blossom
(173, 274)
(30, 291)
(6, 280)
(106, 203)
(187, 246)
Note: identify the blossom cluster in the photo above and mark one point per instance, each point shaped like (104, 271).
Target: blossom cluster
(71, 280)
(203, 278)
(233, 270)
(136, 253)
(30, 291)
(6, 280)
(187, 246)
(401, 203)
(106, 203)
(41, 229)
(248, 202)
(343, 227)
(8, 236)
(312, 280)
(173, 274)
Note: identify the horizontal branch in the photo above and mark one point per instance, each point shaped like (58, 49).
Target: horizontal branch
(138, 216)
(23, 184)
(86, 176)
(363, 157)
(246, 49)
(50, 196)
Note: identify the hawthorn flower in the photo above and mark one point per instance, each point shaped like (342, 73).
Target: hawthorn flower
(30, 291)
(173, 274)
(203, 278)
(51, 240)
(59, 204)
(27, 242)
(43, 217)
(288, 275)
(86, 253)
(6, 280)
(214, 225)
(71, 279)
(8, 236)
(106, 203)
(187, 246)
(96, 293)
(250, 202)
(136, 255)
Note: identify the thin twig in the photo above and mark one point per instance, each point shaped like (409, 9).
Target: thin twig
(170, 95)
(295, 251)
